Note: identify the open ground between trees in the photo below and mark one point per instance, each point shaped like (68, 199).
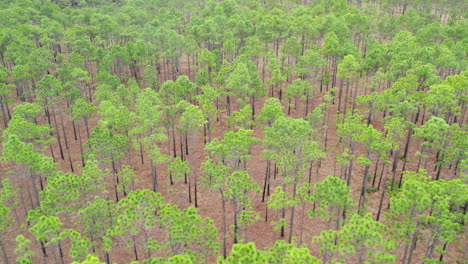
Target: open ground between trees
(233, 131)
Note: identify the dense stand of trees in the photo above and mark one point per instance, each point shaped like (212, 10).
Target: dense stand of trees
(126, 123)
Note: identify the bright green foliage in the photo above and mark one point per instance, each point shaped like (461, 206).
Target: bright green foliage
(25, 255)
(233, 148)
(46, 229)
(150, 76)
(63, 194)
(82, 109)
(188, 233)
(362, 237)
(371, 138)
(238, 83)
(24, 128)
(351, 128)
(207, 241)
(331, 44)
(28, 161)
(167, 93)
(179, 259)
(5, 89)
(7, 202)
(395, 127)
(114, 117)
(136, 211)
(127, 179)
(310, 63)
(49, 87)
(304, 195)
(79, 245)
(242, 118)
(277, 76)
(332, 197)
(289, 145)
(348, 67)
(244, 253)
(184, 88)
(459, 83)
(179, 169)
(93, 180)
(209, 100)
(283, 252)
(148, 109)
(316, 117)
(280, 200)
(272, 109)
(105, 146)
(90, 259)
(238, 186)
(299, 255)
(192, 119)
(216, 174)
(215, 179)
(297, 89)
(363, 161)
(434, 134)
(441, 100)
(432, 205)
(454, 151)
(291, 148)
(243, 81)
(97, 217)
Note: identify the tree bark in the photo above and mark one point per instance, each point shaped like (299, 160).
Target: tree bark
(5, 256)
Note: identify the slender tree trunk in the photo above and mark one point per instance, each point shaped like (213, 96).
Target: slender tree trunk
(224, 223)
(407, 145)
(28, 189)
(236, 225)
(362, 198)
(85, 120)
(5, 256)
(134, 248)
(430, 249)
(413, 244)
(58, 135)
(384, 188)
(267, 176)
(22, 199)
(375, 172)
(154, 176)
(291, 221)
(302, 223)
(5, 118)
(141, 153)
(340, 95)
(55, 257)
(346, 98)
(60, 252)
(34, 187)
(81, 147)
(350, 169)
(106, 257)
(442, 254)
